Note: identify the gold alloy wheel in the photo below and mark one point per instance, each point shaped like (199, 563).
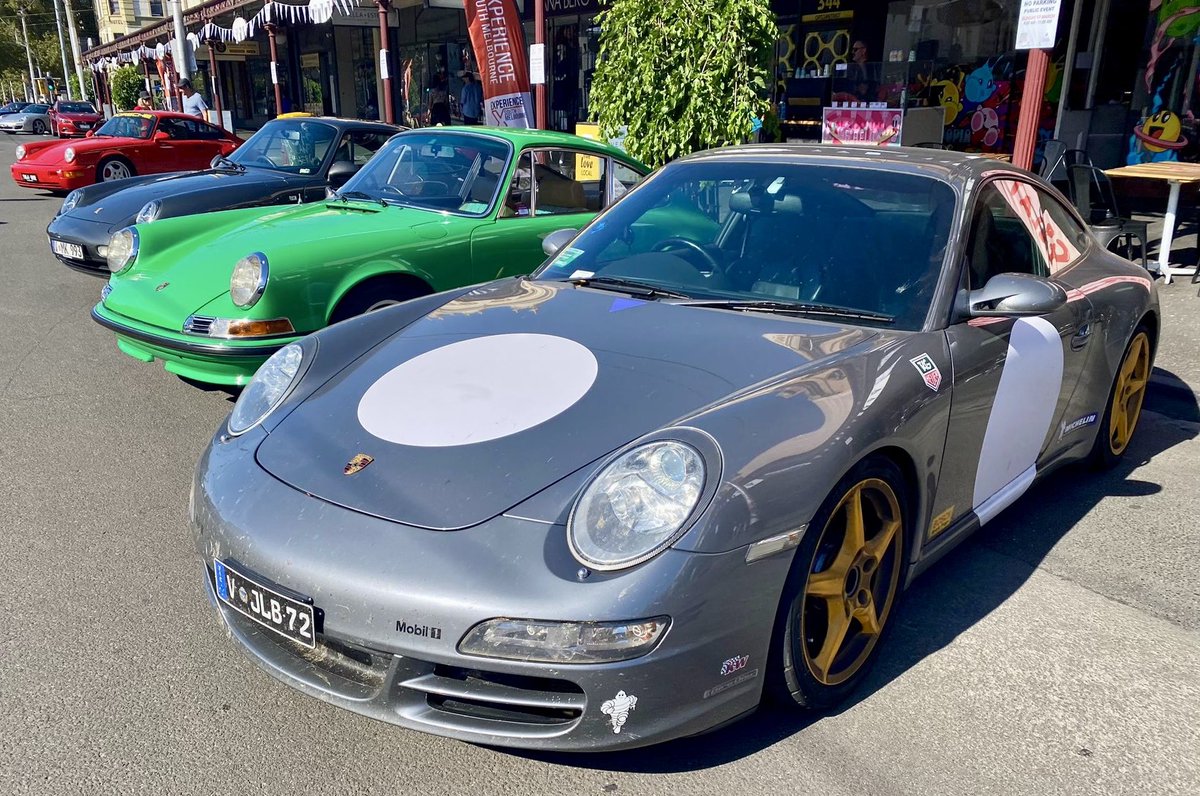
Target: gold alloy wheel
(852, 581)
(1128, 394)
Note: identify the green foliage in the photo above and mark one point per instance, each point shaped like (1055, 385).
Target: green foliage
(87, 86)
(679, 76)
(126, 83)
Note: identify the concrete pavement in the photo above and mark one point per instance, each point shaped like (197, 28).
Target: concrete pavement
(1058, 652)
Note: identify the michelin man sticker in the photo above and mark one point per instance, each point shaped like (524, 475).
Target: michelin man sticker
(618, 709)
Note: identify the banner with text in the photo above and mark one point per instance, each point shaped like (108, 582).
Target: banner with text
(499, 45)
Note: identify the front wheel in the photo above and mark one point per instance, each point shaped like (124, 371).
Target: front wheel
(377, 294)
(39, 127)
(843, 588)
(113, 169)
(1124, 402)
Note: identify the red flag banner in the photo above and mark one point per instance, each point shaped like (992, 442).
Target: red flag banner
(499, 45)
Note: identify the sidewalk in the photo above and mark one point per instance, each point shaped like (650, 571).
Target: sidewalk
(1177, 365)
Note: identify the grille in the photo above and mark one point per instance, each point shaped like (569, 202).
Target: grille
(493, 697)
(198, 324)
(104, 291)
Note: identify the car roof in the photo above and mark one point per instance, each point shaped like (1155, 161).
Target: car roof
(521, 136)
(342, 122)
(949, 166)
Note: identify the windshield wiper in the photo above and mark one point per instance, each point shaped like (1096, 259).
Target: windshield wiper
(631, 286)
(793, 308)
(224, 161)
(344, 195)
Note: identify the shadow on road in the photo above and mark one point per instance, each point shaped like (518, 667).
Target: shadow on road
(952, 597)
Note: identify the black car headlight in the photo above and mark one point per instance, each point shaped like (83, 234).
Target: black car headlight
(270, 385)
(149, 212)
(69, 203)
(637, 505)
(122, 250)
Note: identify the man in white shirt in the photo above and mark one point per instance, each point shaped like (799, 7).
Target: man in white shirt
(193, 103)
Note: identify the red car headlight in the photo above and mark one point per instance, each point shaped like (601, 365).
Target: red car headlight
(69, 154)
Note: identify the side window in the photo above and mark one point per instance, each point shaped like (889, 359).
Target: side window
(175, 128)
(519, 199)
(1000, 240)
(624, 178)
(1065, 237)
(550, 182)
(206, 132)
(360, 145)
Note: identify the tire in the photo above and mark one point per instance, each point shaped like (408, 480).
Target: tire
(377, 294)
(1125, 401)
(811, 665)
(114, 168)
(39, 127)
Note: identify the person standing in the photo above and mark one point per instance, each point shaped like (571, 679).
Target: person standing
(193, 103)
(144, 103)
(439, 100)
(470, 99)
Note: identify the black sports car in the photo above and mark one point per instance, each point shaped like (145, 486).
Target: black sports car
(289, 160)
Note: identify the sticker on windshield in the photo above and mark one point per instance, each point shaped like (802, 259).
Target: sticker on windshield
(473, 207)
(581, 274)
(306, 171)
(568, 256)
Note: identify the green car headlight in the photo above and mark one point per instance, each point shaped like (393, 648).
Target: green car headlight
(267, 389)
(69, 203)
(637, 505)
(249, 280)
(122, 249)
(563, 642)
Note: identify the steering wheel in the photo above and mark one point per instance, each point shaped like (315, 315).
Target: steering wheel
(667, 244)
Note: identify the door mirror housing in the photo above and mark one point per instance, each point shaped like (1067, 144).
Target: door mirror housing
(552, 243)
(161, 136)
(89, 134)
(1012, 296)
(340, 172)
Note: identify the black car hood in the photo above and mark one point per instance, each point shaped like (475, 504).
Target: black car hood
(186, 191)
(596, 371)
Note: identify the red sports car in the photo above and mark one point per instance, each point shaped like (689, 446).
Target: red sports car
(73, 118)
(139, 142)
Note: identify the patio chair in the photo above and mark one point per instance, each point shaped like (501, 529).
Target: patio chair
(1093, 195)
(1052, 153)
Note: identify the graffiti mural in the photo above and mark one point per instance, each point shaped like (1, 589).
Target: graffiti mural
(1160, 136)
(974, 100)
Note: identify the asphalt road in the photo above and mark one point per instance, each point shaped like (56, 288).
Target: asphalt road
(1059, 652)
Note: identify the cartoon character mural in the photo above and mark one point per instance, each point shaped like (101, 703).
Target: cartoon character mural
(975, 103)
(1160, 136)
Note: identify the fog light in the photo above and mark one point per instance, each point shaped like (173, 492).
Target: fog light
(102, 251)
(564, 642)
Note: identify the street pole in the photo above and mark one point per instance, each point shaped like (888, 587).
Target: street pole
(216, 79)
(384, 6)
(74, 44)
(539, 38)
(270, 26)
(28, 55)
(62, 50)
(1031, 108)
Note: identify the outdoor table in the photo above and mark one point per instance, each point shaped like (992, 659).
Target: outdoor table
(1004, 156)
(1174, 174)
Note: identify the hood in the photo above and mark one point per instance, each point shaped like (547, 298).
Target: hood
(51, 152)
(187, 191)
(79, 117)
(497, 395)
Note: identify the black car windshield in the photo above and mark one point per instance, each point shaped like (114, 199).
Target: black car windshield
(128, 125)
(12, 107)
(75, 107)
(448, 171)
(293, 145)
(773, 236)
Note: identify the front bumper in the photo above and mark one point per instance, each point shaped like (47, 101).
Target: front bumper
(367, 576)
(15, 127)
(89, 236)
(67, 128)
(52, 178)
(212, 361)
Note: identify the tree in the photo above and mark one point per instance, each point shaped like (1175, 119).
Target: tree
(126, 84)
(677, 76)
(87, 86)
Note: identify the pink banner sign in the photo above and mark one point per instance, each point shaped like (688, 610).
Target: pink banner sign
(862, 126)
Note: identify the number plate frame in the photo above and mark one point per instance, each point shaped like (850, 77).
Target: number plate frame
(284, 615)
(72, 250)
(29, 177)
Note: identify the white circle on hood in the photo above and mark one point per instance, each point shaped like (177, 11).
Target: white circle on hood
(477, 390)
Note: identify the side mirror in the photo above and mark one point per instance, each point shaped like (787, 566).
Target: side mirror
(161, 136)
(340, 172)
(1012, 296)
(556, 240)
(89, 134)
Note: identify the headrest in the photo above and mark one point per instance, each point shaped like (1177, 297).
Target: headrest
(758, 201)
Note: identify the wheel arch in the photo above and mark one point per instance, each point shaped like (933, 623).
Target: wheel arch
(373, 274)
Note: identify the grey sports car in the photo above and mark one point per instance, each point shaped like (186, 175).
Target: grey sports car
(694, 460)
(30, 119)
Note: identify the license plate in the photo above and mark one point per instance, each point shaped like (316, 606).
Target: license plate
(83, 125)
(29, 177)
(72, 250)
(290, 618)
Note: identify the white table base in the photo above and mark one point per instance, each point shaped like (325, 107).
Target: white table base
(1168, 234)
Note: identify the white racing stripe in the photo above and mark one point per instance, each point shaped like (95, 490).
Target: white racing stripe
(477, 390)
(1022, 412)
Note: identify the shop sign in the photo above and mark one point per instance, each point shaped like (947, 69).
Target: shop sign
(367, 17)
(1037, 24)
(310, 60)
(498, 42)
(563, 8)
(863, 126)
(587, 167)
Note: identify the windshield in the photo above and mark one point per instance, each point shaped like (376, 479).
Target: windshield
(862, 239)
(128, 125)
(35, 109)
(448, 171)
(294, 146)
(12, 107)
(75, 107)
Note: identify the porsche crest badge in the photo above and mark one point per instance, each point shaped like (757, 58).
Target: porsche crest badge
(359, 461)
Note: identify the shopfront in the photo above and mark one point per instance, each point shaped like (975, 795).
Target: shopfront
(572, 45)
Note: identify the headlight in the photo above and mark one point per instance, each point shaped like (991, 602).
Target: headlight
(267, 389)
(122, 250)
(249, 280)
(69, 154)
(563, 642)
(20, 151)
(149, 212)
(635, 508)
(69, 203)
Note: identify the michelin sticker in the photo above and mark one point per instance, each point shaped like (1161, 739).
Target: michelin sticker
(618, 709)
(1075, 425)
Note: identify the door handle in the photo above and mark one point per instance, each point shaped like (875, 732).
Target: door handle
(1081, 336)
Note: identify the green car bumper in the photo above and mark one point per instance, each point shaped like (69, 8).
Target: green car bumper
(226, 362)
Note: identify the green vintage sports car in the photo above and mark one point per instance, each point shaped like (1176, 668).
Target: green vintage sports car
(214, 295)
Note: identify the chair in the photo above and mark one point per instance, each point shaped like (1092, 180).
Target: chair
(930, 145)
(1052, 153)
(1093, 195)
